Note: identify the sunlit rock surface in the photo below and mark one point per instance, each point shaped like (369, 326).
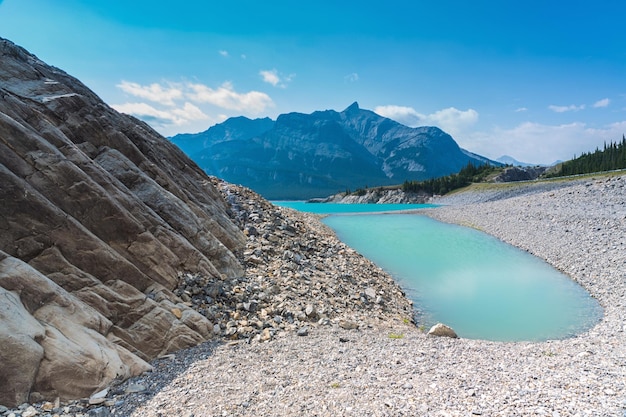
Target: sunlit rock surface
(99, 215)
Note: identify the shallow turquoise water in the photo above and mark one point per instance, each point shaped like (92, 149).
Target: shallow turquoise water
(334, 208)
(478, 285)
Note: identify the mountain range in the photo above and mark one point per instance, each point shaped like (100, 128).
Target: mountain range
(302, 156)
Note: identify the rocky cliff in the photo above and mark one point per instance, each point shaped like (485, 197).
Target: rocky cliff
(302, 156)
(115, 249)
(99, 216)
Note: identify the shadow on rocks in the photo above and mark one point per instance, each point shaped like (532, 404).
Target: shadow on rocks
(134, 392)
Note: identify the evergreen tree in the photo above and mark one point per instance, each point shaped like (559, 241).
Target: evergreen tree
(443, 185)
(611, 157)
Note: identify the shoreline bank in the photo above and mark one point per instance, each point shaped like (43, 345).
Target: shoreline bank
(392, 369)
(385, 367)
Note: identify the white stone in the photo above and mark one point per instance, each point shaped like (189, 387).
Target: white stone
(440, 329)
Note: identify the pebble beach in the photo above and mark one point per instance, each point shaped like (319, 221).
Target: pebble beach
(394, 369)
(370, 360)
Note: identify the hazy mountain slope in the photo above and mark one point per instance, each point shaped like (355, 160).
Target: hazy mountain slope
(235, 128)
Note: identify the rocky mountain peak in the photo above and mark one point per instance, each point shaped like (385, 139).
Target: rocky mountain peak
(352, 108)
(305, 156)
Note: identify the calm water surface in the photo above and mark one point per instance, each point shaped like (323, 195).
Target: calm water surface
(336, 208)
(481, 287)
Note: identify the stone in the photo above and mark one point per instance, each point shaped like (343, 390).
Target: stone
(176, 312)
(348, 325)
(99, 412)
(303, 331)
(442, 330)
(251, 306)
(98, 397)
(266, 335)
(370, 292)
(134, 388)
(311, 312)
(96, 401)
(30, 412)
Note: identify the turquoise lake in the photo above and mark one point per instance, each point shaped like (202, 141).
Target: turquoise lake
(478, 285)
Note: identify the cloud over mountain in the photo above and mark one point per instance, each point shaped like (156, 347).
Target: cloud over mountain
(177, 101)
(451, 119)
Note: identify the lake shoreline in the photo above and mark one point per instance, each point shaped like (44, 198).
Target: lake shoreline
(387, 367)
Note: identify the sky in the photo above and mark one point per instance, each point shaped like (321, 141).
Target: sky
(536, 80)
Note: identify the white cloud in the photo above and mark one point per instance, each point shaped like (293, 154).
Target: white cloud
(190, 112)
(150, 114)
(451, 120)
(352, 77)
(602, 103)
(563, 109)
(402, 114)
(527, 142)
(226, 97)
(176, 107)
(223, 53)
(539, 143)
(153, 92)
(270, 77)
(521, 109)
(277, 80)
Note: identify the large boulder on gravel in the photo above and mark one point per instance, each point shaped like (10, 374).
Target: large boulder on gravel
(442, 330)
(99, 216)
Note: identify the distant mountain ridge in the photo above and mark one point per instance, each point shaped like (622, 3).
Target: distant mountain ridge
(301, 156)
(509, 160)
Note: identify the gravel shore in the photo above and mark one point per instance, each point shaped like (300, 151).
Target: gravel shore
(388, 367)
(395, 370)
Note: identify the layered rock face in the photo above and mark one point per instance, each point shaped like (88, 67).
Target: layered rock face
(99, 216)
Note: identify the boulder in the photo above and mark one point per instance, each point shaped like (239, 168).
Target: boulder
(440, 329)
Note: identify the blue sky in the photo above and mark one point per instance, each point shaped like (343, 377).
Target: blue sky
(537, 80)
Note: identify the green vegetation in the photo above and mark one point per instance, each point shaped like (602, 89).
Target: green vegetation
(443, 185)
(612, 157)
(396, 335)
